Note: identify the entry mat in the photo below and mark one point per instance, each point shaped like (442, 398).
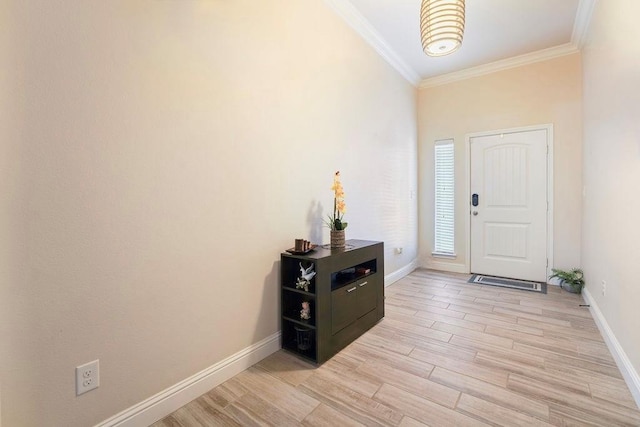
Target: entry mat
(509, 283)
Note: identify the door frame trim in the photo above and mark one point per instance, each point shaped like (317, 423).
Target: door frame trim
(467, 182)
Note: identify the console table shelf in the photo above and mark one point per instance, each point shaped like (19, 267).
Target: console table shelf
(346, 298)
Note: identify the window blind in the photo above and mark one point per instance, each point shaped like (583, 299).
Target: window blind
(444, 198)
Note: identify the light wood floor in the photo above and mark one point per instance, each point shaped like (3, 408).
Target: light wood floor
(447, 353)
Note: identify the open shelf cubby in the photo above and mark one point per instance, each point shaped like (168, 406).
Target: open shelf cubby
(292, 305)
(351, 274)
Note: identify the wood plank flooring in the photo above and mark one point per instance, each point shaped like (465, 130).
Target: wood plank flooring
(447, 353)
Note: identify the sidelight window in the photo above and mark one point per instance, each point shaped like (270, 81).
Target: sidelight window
(444, 199)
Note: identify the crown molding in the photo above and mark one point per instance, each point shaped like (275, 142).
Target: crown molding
(581, 24)
(355, 20)
(361, 25)
(504, 64)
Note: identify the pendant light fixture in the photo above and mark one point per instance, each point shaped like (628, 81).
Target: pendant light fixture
(441, 26)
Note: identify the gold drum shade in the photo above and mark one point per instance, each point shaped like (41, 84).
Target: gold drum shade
(441, 26)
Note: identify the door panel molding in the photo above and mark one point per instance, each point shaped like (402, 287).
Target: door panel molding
(467, 211)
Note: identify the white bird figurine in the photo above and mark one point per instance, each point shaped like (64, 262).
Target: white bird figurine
(308, 273)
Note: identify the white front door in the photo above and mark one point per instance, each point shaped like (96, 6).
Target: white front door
(509, 223)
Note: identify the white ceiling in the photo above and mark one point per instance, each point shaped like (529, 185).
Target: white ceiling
(496, 32)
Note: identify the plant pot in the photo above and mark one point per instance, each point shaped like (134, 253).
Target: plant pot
(337, 239)
(567, 287)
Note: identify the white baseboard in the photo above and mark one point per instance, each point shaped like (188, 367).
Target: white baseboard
(162, 404)
(400, 273)
(630, 375)
(450, 267)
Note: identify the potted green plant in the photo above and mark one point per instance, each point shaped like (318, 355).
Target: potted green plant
(570, 280)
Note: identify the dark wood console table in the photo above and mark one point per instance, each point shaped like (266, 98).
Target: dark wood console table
(346, 298)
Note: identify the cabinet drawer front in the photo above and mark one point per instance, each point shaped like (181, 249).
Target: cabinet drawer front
(367, 296)
(343, 307)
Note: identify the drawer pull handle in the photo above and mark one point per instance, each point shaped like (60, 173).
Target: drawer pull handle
(363, 283)
(351, 290)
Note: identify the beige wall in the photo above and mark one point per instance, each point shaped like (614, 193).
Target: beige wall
(611, 232)
(540, 93)
(157, 156)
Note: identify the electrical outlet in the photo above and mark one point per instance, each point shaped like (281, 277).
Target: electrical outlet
(604, 288)
(87, 377)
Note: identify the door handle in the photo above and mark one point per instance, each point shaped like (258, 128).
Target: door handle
(362, 284)
(351, 290)
(475, 213)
